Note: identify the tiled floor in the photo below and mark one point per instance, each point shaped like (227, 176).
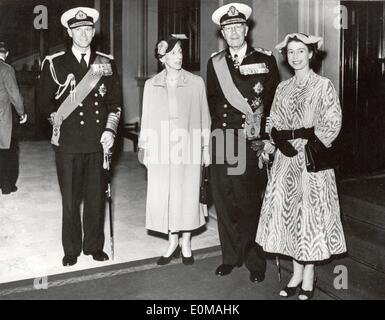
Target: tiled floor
(30, 220)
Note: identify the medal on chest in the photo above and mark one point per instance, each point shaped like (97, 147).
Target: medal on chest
(102, 90)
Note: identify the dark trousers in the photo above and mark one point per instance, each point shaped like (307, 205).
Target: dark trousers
(238, 201)
(81, 178)
(9, 166)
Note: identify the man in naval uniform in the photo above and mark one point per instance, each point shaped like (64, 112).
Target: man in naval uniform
(79, 91)
(241, 82)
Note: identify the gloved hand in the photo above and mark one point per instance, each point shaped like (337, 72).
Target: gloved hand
(304, 133)
(257, 146)
(23, 118)
(206, 158)
(281, 138)
(107, 140)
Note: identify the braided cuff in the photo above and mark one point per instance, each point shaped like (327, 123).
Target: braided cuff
(113, 121)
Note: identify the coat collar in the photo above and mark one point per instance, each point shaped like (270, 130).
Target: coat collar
(160, 79)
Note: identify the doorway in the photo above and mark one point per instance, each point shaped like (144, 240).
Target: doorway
(363, 88)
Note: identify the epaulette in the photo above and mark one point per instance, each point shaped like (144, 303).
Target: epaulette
(109, 56)
(51, 57)
(266, 52)
(215, 53)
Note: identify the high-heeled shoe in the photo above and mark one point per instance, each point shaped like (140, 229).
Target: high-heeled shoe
(307, 294)
(290, 291)
(166, 260)
(188, 261)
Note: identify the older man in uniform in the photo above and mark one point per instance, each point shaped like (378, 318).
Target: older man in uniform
(241, 86)
(9, 95)
(79, 91)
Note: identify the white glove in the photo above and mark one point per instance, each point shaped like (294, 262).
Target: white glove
(107, 140)
(141, 155)
(23, 118)
(55, 120)
(269, 147)
(206, 159)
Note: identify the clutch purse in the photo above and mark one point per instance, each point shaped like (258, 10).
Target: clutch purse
(318, 157)
(204, 187)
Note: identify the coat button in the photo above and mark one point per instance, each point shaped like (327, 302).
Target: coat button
(243, 125)
(81, 105)
(224, 124)
(225, 115)
(82, 123)
(97, 111)
(81, 114)
(96, 94)
(96, 103)
(225, 106)
(243, 116)
(97, 121)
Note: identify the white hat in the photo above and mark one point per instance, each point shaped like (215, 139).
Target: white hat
(307, 39)
(78, 17)
(231, 13)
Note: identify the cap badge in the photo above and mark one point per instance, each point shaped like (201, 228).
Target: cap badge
(80, 15)
(233, 12)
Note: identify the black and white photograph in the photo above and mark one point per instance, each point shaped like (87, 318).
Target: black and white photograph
(192, 155)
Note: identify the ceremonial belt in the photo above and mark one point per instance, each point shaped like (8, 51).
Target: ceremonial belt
(235, 97)
(69, 105)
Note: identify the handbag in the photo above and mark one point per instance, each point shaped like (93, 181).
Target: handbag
(318, 157)
(204, 187)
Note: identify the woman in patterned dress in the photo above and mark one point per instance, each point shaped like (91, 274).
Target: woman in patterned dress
(300, 215)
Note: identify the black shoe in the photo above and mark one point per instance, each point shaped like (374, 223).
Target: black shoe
(257, 276)
(166, 260)
(8, 190)
(224, 269)
(188, 261)
(69, 261)
(307, 294)
(98, 256)
(288, 292)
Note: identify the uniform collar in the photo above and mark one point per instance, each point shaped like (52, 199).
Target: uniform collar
(241, 53)
(78, 55)
(160, 79)
(2, 59)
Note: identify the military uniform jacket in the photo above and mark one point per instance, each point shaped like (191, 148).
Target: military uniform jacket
(82, 130)
(9, 95)
(258, 88)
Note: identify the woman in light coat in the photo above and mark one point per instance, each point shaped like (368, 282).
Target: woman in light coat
(174, 140)
(300, 215)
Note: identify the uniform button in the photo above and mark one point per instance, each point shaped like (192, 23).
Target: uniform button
(97, 121)
(82, 123)
(96, 103)
(225, 106)
(81, 114)
(225, 115)
(96, 94)
(81, 105)
(97, 111)
(224, 124)
(243, 125)
(243, 116)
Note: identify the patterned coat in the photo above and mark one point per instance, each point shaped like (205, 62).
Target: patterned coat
(300, 215)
